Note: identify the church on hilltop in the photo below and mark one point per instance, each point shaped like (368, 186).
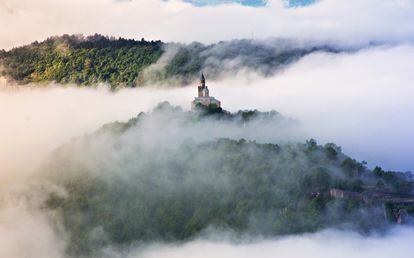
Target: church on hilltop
(203, 99)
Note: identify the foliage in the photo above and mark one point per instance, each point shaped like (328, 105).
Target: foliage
(352, 168)
(84, 61)
(119, 191)
(401, 183)
(124, 62)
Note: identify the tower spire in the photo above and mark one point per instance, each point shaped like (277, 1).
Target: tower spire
(202, 79)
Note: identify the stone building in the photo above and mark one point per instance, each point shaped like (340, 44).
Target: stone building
(203, 98)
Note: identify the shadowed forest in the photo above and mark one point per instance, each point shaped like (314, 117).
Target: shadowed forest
(123, 184)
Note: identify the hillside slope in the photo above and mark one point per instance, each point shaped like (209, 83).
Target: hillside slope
(124, 62)
(129, 183)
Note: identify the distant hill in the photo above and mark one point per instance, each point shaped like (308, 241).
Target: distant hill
(128, 183)
(79, 60)
(126, 62)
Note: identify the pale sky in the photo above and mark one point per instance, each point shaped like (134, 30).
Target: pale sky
(349, 22)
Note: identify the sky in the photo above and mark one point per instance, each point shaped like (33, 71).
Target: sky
(215, 2)
(255, 3)
(345, 22)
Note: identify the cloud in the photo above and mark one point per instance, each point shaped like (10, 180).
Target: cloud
(215, 2)
(324, 244)
(361, 101)
(345, 22)
(26, 230)
(37, 120)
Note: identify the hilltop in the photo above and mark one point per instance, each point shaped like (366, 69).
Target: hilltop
(131, 183)
(86, 61)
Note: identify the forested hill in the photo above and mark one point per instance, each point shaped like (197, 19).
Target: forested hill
(126, 62)
(128, 183)
(79, 60)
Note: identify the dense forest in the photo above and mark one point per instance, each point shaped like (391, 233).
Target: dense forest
(127, 184)
(119, 62)
(83, 61)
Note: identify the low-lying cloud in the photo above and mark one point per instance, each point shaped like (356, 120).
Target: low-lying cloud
(361, 101)
(324, 244)
(344, 22)
(26, 231)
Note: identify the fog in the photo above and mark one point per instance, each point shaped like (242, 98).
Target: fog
(344, 22)
(361, 101)
(26, 231)
(37, 120)
(324, 244)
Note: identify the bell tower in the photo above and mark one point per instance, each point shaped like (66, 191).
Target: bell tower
(202, 86)
(203, 97)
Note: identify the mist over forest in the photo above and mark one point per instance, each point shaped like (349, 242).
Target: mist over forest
(184, 182)
(127, 62)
